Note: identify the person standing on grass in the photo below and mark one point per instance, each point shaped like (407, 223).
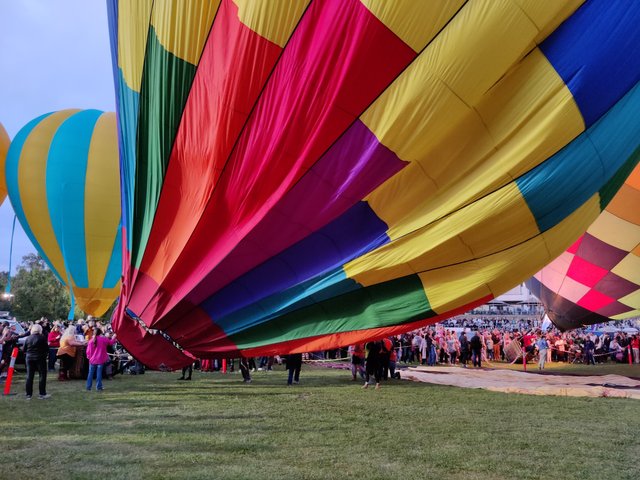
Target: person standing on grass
(357, 361)
(431, 347)
(244, 369)
(464, 349)
(67, 351)
(589, 350)
(635, 348)
(543, 347)
(98, 356)
(294, 365)
(53, 340)
(373, 363)
(36, 350)
(424, 354)
(496, 338)
(476, 350)
(187, 370)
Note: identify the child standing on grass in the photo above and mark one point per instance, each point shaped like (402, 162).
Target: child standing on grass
(98, 356)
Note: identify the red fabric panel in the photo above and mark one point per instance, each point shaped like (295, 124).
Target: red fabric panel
(339, 60)
(197, 331)
(585, 272)
(594, 300)
(154, 351)
(574, 247)
(234, 66)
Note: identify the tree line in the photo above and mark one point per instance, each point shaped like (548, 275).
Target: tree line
(36, 292)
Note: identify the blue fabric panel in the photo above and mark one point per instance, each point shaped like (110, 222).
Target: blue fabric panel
(114, 270)
(597, 53)
(13, 188)
(352, 234)
(127, 118)
(561, 184)
(128, 101)
(306, 294)
(66, 178)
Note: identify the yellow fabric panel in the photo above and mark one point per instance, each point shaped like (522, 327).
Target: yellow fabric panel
(414, 22)
(454, 286)
(530, 114)
(623, 316)
(507, 221)
(626, 205)
(133, 27)
(629, 268)
(425, 123)
(274, 20)
(102, 197)
(465, 152)
(183, 27)
(615, 231)
(32, 186)
(480, 44)
(96, 301)
(495, 274)
(548, 15)
(4, 148)
(459, 237)
(633, 299)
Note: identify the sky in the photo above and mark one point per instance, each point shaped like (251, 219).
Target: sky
(55, 55)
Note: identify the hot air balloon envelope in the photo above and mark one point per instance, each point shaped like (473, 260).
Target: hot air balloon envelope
(63, 181)
(598, 278)
(302, 175)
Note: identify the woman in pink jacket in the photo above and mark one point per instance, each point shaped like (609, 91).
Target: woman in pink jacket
(97, 355)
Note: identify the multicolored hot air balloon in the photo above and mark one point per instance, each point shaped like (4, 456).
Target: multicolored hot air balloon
(4, 148)
(306, 174)
(63, 181)
(598, 278)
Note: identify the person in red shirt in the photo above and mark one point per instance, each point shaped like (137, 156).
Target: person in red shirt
(527, 342)
(53, 340)
(635, 348)
(357, 360)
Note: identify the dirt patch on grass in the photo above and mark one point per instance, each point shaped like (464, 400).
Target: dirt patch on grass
(510, 381)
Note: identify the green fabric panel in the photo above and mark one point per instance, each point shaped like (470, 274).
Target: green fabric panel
(612, 186)
(398, 301)
(166, 82)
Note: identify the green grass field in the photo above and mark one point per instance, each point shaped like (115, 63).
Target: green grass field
(215, 427)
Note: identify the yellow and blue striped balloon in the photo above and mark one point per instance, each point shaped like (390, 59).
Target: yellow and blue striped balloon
(64, 185)
(4, 147)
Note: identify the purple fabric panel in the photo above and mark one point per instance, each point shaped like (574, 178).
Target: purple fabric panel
(615, 308)
(354, 166)
(615, 287)
(355, 232)
(600, 253)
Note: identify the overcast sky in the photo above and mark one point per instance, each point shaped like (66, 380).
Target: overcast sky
(55, 55)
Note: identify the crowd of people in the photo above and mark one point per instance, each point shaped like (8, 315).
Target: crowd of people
(92, 346)
(472, 342)
(82, 349)
(459, 345)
